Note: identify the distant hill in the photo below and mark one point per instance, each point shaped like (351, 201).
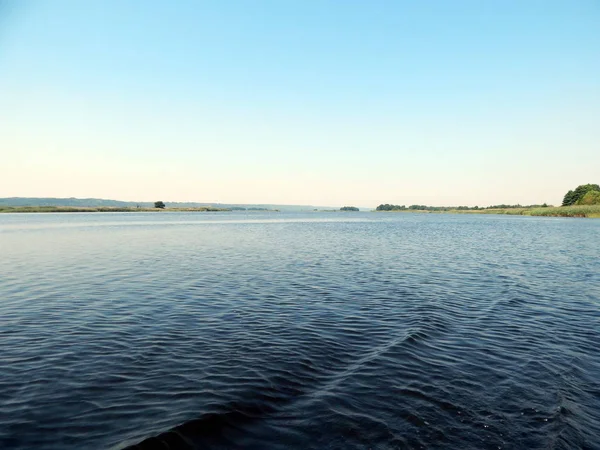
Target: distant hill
(96, 202)
(49, 201)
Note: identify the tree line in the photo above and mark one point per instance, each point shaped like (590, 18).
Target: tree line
(585, 194)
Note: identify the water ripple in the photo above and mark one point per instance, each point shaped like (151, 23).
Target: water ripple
(316, 331)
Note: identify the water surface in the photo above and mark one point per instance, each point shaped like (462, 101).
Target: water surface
(299, 331)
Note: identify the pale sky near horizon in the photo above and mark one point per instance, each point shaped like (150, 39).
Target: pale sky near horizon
(300, 102)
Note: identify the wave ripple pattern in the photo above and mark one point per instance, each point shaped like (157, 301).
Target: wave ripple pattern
(292, 331)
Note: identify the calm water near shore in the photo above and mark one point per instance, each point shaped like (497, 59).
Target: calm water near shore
(299, 331)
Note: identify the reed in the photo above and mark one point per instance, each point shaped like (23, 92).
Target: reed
(568, 211)
(591, 211)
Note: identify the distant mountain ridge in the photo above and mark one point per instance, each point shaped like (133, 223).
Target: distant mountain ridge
(97, 202)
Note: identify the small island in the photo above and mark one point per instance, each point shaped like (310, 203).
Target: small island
(349, 208)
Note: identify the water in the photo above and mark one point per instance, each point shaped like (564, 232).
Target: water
(292, 331)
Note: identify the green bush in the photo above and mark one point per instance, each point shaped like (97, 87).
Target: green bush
(591, 198)
(573, 197)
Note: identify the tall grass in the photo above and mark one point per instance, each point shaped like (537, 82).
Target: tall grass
(550, 211)
(508, 211)
(558, 211)
(568, 211)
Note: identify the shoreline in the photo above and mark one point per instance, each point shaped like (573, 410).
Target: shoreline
(86, 209)
(578, 211)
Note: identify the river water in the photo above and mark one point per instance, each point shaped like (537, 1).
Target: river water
(299, 331)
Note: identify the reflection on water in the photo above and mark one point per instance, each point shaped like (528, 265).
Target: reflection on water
(275, 330)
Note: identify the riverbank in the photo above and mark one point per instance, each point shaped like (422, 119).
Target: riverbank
(85, 209)
(588, 211)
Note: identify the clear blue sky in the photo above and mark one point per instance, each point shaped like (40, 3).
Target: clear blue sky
(305, 102)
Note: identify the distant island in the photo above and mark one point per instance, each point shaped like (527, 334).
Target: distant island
(52, 204)
(349, 208)
(77, 209)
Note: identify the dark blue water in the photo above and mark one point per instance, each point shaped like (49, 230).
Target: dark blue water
(291, 331)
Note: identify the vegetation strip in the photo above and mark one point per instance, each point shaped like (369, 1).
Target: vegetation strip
(583, 201)
(43, 209)
(590, 211)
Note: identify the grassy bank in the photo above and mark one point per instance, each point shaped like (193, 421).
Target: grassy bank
(508, 211)
(590, 211)
(551, 211)
(70, 209)
(568, 211)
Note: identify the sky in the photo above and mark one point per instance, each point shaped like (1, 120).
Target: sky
(322, 102)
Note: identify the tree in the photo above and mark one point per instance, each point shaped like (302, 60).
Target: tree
(568, 199)
(349, 208)
(388, 207)
(159, 204)
(572, 197)
(591, 198)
